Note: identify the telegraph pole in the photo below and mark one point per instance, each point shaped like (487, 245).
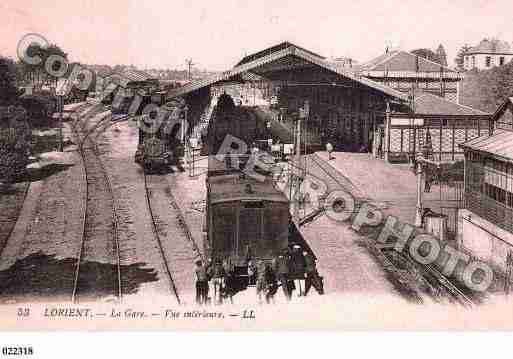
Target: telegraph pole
(189, 67)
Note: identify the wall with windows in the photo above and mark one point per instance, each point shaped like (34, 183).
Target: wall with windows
(445, 136)
(489, 189)
(448, 87)
(486, 61)
(485, 226)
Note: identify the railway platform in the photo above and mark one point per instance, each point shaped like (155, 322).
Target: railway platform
(390, 187)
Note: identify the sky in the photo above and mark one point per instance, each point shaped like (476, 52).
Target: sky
(216, 34)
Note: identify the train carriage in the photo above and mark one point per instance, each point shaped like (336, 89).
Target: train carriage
(247, 218)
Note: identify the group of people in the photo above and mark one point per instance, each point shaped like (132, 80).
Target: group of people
(293, 269)
(220, 275)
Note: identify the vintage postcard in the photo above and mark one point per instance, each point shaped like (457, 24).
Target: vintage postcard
(267, 165)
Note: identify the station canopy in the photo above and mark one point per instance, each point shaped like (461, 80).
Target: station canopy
(288, 63)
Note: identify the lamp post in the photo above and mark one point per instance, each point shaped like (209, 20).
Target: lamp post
(418, 207)
(61, 109)
(182, 125)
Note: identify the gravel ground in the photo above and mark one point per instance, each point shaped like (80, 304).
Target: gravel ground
(38, 263)
(139, 246)
(11, 203)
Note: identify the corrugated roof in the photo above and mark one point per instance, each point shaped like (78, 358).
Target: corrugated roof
(500, 144)
(272, 49)
(137, 76)
(429, 104)
(402, 61)
(291, 50)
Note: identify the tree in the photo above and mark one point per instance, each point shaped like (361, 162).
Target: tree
(15, 138)
(8, 89)
(427, 54)
(460, 57)
(37, 74)
(486, 90)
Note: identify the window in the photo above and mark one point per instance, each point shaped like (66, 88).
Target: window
(488, 61)
(498, 181)
(473, 61)
(502, 60)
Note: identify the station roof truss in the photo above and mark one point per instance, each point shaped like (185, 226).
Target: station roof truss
(288, 63)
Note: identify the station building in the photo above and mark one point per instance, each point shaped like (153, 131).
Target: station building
(431, 123)
(354, 110)
(485, 224)
(343, 106)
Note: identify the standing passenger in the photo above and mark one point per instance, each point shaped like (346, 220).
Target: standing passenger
(217, 276)
(271, 283)
(260, 282)
(312, 276)
(298, 266)
(283, 274)
(329, 149)
(201, 283)
(228, 279)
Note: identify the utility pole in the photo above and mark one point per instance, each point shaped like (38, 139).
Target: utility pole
(298, 171)
(189, 67)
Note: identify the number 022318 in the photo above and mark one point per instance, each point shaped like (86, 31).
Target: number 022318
(17, 351)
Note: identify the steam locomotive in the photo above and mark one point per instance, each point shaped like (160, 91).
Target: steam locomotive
(159, 141)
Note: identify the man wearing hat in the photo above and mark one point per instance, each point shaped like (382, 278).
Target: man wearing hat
(297, 262)
(282, 272)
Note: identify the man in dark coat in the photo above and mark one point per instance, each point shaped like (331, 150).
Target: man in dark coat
(312, 276)
(282, 271)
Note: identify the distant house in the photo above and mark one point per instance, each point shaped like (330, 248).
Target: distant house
(403, 70)
(487, 54)
(485, 225)
(344, 62)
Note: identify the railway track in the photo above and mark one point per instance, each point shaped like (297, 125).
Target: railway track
(437, 285)
(179, 250)
(95, 252)
(155, 230)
